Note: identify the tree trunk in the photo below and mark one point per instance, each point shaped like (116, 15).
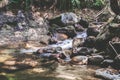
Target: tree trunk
(115, 6)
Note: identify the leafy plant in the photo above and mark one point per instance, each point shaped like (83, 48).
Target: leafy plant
(75, 3)
(98, 3)
(22, 3)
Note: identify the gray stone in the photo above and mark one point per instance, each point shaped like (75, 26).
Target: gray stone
(108, 74)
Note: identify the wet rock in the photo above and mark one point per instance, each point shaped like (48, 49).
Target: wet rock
(92, 31)
(79, 60)
(107, 62)
(53, 40)
(68, 30)
(61, 36)
(77, 42)
(95, 60)
(45, 40)
(82, 51)
(81, 35)
(49, 50)
(90, 42)
(108, 74)
(66, 44)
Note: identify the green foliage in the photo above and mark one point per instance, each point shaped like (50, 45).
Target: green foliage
(98, 3)
(14, 1)
(75, 3)
(62, 4)
(21, 3)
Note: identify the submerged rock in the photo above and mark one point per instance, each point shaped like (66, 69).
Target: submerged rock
(15, 64)
(79, 60)
(109, 74)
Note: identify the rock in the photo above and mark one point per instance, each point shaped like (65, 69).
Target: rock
(108, 74)
(69, 18)
(49, 50)
(82, 51)
(90, 42)
(68, 30)
(53, 40)
(79, 28)
(33, 24)
(92, 31)
(56, 20)
(106, 34)
(117, 62)
(77, 42)
(84, 23)
(113, 45)
(95, 60)
(61, 36)
(10, 63)
(66, 44)
(79, 60)
(64, 19)
(107, 62)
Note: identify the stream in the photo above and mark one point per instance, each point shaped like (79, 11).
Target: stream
(63, 72)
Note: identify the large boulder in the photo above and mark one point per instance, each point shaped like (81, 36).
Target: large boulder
(64, 19)
(106, 34)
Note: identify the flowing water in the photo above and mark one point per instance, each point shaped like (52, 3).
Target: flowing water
(62, 72)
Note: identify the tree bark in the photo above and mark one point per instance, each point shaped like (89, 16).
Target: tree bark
(115, 6)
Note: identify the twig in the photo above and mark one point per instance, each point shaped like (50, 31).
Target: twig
(110, 43)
